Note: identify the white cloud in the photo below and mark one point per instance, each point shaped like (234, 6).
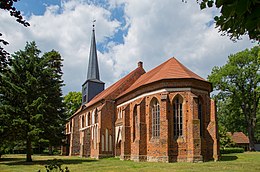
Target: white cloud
(163, 29)
(66, 29)
(157, 31)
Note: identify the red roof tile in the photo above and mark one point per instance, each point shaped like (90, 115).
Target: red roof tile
(171, 69)
(239, 137)
(117, 88)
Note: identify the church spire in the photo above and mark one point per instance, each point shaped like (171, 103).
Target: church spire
(93, 70)
(92, 86)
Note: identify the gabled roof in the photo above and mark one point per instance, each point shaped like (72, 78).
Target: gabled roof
(171, 69)
(117, 88)
(239, 138)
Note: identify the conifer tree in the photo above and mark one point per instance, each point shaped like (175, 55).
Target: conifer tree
(31, 103)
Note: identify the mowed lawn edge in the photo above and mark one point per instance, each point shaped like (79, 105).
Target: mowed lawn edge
(248, 161)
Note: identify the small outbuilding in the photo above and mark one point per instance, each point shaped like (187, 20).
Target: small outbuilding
(241, 140)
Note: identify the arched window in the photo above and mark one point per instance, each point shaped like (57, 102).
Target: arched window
(96, 116)
(70, 128)
(93, 116)
(134, 122)
(200, 116)
(178, 116)
(95, 137)
(119, 114)
(103, 142)
(88, 119)
(110, 142)
(82, 121)
(106, 139)
(155, 110)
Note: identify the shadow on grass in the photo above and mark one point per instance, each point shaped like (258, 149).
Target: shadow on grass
(21, 161)
(11, 159)
(228, 158)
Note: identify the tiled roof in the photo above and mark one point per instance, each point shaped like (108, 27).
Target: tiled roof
(239, 137)
(171, 69)
(117, 88)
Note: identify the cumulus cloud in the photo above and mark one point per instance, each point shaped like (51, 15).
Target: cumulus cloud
(67, 29)
(163, 29)
(154, 31)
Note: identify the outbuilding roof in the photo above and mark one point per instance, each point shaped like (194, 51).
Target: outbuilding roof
(239, 138)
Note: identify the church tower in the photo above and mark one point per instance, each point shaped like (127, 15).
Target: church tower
(92, 86)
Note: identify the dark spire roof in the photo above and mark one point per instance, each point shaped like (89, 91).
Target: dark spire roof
(93, 71)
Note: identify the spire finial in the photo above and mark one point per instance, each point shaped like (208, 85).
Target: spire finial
(93, 24)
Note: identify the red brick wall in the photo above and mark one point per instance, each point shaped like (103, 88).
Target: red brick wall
(190, 147)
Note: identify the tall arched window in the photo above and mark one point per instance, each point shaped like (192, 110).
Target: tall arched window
(155, 110)
(88, 119)
(200, 116)
(106, 139)
(134, 122)
(96, 116)
(178, 116)
(82, 121)
(95, 137)
(70, 128)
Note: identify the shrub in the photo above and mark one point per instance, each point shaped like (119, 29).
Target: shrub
(55, 165)
(231, 150)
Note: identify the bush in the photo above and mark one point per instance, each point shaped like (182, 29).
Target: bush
(55, 165)
(231, 150)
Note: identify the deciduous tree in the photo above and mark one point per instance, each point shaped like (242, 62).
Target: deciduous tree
(238, 83)
(8, 5)
(237, 17)
(72, 102)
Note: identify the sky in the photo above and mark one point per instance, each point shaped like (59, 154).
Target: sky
(127, 31)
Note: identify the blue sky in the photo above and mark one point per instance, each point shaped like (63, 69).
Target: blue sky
(127, 31)
(38, 7)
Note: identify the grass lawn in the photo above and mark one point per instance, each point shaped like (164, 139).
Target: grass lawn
(249, 161)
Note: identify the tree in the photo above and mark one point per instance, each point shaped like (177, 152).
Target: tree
(54, 118)
(238, 83)
(72, 102)
(237, 17)
(31, 103)
(9, 6)
(234, 121)
(225, 138)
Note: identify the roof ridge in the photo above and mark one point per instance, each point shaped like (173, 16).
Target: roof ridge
(115, 87)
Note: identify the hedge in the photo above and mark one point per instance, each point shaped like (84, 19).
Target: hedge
(231, 150)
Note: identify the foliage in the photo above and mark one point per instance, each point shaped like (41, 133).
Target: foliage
(237, 17)
(225, 138)
(232, 122)
(231, 150)
(30, 95)
(55, 165)
(72, 102)
(238, 83)
(9, 6)
(54, 118)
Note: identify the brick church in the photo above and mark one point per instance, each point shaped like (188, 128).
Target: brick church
(163, 115)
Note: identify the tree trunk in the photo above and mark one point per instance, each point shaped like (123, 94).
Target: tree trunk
(50, 150)
(250, 129)
(29, 149)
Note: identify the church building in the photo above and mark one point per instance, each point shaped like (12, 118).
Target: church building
(163, 115)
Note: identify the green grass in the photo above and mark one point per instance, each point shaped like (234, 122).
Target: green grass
(248, 161)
